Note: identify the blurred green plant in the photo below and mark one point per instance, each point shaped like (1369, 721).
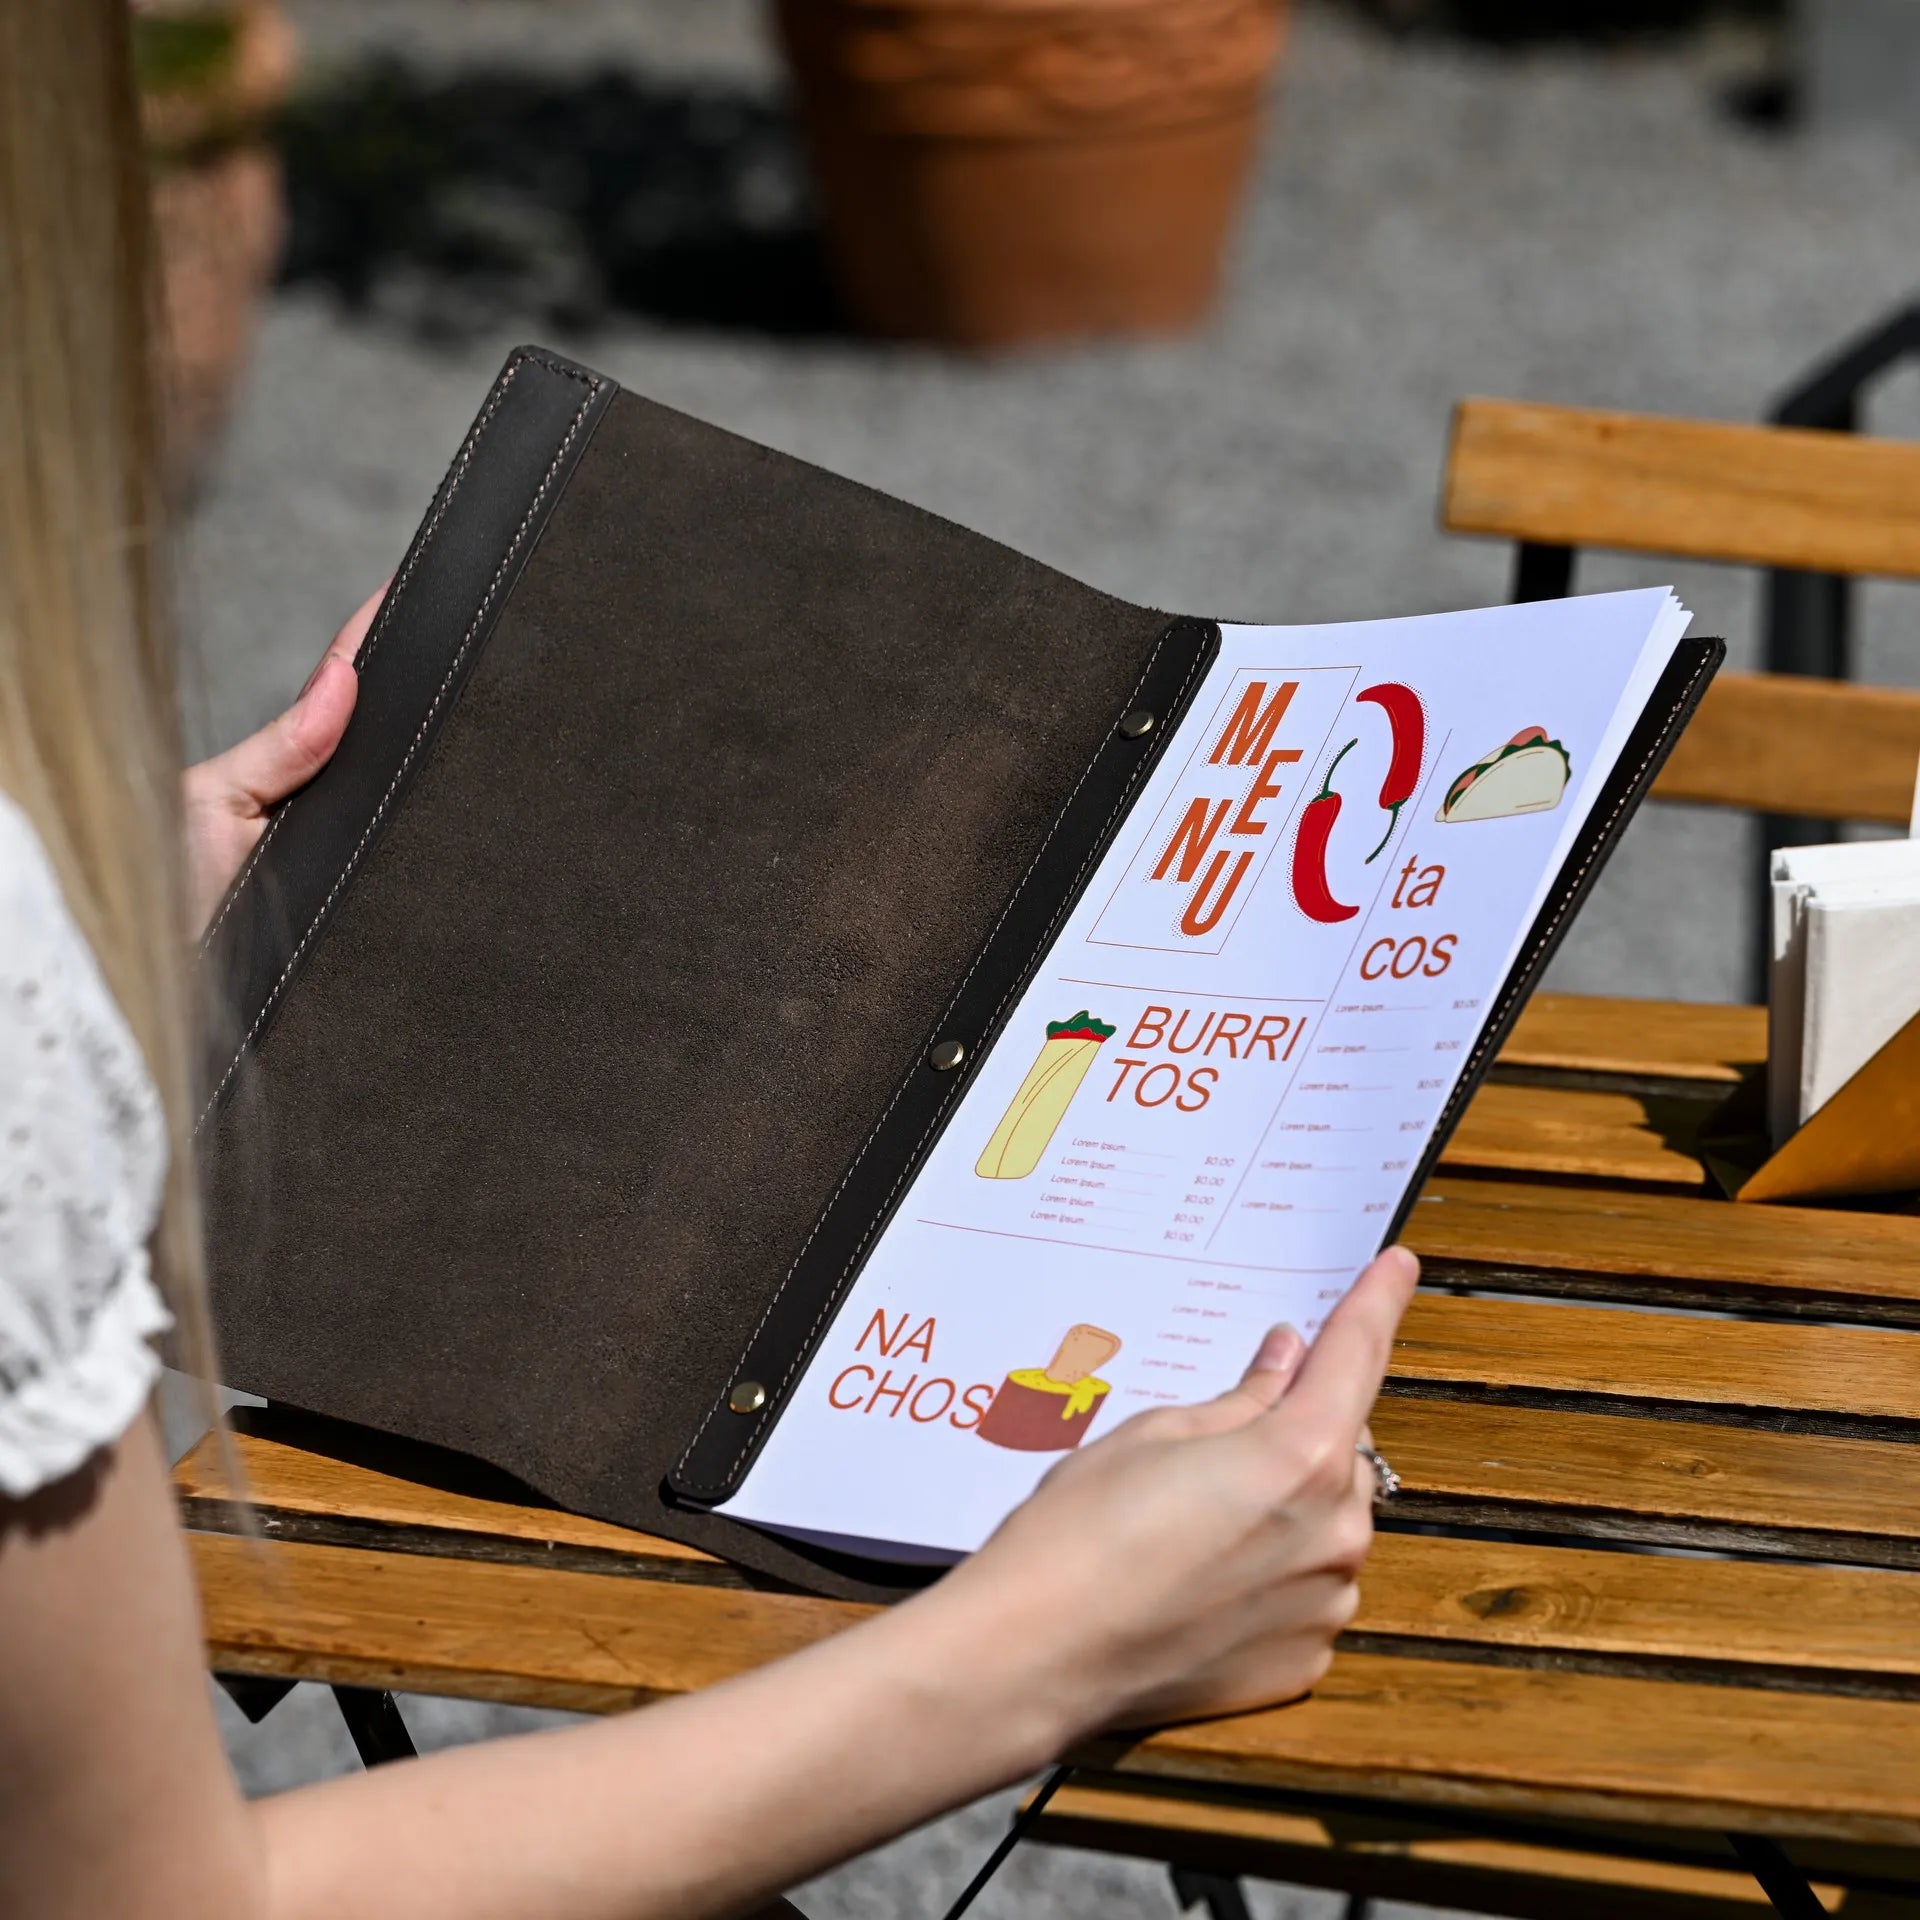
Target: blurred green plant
(178, 52)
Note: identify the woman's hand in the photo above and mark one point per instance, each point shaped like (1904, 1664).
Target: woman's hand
(1199, 1560)
(1194, 1561)
(227, 798)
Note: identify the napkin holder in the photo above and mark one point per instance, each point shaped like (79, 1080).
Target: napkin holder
(1864, 1142)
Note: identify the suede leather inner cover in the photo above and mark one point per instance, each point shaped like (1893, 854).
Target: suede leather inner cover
(750, 762)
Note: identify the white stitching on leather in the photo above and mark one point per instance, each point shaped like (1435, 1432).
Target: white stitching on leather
(455, 474)
(833, 1293)
(493, 587)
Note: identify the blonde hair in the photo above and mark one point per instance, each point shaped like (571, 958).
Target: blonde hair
(89, 722)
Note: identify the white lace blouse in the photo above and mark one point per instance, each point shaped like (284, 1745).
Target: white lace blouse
(83, 1153)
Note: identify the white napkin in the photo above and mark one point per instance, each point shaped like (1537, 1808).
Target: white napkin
(1845, 976)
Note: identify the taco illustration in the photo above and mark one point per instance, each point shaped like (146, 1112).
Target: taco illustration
(1048, 1409)
(1527, 775)
(1043, 1098)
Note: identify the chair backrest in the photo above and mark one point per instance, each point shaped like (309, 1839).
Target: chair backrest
(1568, 477)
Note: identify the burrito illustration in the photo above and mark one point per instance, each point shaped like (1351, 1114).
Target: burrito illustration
(1527, 775)
(1047, 1409)
(1044, 1096)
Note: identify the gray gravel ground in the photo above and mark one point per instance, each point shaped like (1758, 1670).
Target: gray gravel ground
(1428, 221)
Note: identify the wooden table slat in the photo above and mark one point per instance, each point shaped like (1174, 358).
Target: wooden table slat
(1571, 1745)
(288, 1479)
(528, 1636)
(1653, 1039)
(1660, 1481)
(1806, 1621)
(1852, 1373)
(1783, 1255)
(1584, 1133)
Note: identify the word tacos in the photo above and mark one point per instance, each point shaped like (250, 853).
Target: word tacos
(1527, 775)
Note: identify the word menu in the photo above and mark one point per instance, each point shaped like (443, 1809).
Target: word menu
(1206, 1109)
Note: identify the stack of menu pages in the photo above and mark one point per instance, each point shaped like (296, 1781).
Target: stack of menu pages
(1214, 1100)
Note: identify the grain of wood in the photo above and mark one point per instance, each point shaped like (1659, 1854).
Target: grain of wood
(1794, 1254)
(1567, 1745)
(1781, 743)
(1861, 1496)
(1660, 1039)
(1708, 490)
(1394, 1858)
(291, 1479)
(527, 1636)
(1523, 1597)
(1844, 1619)
(1582, 1133)
(1856, 1371)
(1550, 1741)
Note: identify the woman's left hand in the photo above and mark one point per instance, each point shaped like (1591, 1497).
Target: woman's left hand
(227, 798)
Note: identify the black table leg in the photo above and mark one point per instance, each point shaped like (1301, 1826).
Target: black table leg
(255, 1695)
(373, 1720)
(1541, 572)
(1217, 1894)
(1780, 1880)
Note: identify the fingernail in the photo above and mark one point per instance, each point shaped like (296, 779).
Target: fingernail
(1279, 1350)
(1404, 1259)
(320, 667)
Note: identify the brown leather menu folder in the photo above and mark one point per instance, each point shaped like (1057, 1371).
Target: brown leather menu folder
(583, 1004)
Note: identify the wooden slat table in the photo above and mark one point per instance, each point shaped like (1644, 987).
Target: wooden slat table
(1604, 1357)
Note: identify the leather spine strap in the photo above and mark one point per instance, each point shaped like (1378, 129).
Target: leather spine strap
(459, 572)
(803, 1305)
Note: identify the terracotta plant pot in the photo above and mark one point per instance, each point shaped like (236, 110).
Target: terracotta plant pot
(218, 206)
(1001, 171)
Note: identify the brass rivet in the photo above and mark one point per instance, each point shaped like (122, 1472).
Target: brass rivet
(748, 1396)
(1136, 725)
(944, 1055)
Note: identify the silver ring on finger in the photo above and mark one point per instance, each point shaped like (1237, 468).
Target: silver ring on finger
(1386, 1483)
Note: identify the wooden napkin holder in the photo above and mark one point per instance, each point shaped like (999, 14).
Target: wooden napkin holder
(1863, 1142)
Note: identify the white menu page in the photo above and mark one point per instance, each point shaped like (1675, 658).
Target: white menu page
(1206, 1109)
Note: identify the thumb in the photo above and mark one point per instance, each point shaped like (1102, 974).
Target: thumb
(1269, 1374)
(291, 748)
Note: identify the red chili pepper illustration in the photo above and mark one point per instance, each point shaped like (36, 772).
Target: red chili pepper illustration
(1310, 889)
(1408, 718)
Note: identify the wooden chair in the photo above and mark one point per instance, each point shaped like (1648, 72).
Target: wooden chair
(1557, 479)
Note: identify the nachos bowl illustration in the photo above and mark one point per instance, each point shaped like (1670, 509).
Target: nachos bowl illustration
(1527, 775)
(1049, 1409)
(1043, 1097)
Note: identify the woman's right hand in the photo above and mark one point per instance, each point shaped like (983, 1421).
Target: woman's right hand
(1199, 1560)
